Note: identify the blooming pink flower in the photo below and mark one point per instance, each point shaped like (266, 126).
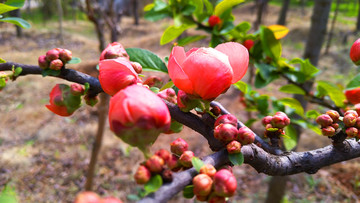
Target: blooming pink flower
(57, 105)
(208, 72)
(113, 51)
(138, 116)
(116, 74)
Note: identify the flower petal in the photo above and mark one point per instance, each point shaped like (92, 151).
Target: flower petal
(238, 57)
(179, 54)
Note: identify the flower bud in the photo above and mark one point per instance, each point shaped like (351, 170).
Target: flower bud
(349, 120)
(65, 55)
(153, 81)
(56, 64)
(226, 119)
(224, 183)
(334, 115)
(186, 102)
(52, 54)
(266, 120)
(245, 136)
(179, 146)
(142, 175)
(351, 112)
(113, 51)
(248, 44)
(168, 94)
(335, 125)
(87, 197)
(280, 120)
(355, 52)
(214, 20)
(91, 101)
(185, 159)
(233, 147)
(328, 131)
(225, 132)
(58, 95)
(202, 185)
(352, 132)
(173, 163)
(353, 95)
(155, 164)
(76, 89)
(217, 199)
(110, 200)
(216, 110)
(164, 154)
(208, 169)
(324, 120)
(43, 63)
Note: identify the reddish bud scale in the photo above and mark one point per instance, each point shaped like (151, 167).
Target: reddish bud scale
(225, 132)
(56, 64)
(354, 113)
(185, 159)
(76, 89)
(355, 52)
(217, 199)
(52, 54)
(324, 120)
(208, 169)
(43, 63)
(224, 183)
(233, 147)
(328, 131)
(357, 108)
(91, 101)
(169, 95)
(155, 164)
(142, 175)
(164, 154)
(65, 55)
(179, 146)
(137, 67)
(245, 136)
(334, 115)
(153, 81)
(173, 163)
(349, 120)
(352, 132)
(113, 51)
(226, 119)
(202, 185)
(266, 120)
(280, 120)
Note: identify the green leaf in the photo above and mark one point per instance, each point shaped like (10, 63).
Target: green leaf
(260, 82)
(242, 86)
(199, 5)
(167, 85)
(50, 72)
(6, 8)
(2, 60)
(153, 185)
(306, 67)
(227, 27)
(197, 163)
(8, 195)
(148, 60)
(87, 87)
(172, 32)
(313, 114)
(215, 40)
(188, 192)
(2, 83)
(209, 6)
(265, 70)
(237, 158)
(262, 104)
(133, 197)
(176, 127)
(17, 71)
(17, 21)
(334, 92)
(270, 44)
(354, 83)
(74, 60)
(15, 3)
(188, 10)
(292, 89)
(243, 27)
(290, 141)
(225, 5)
(187, 40)
(294, 104)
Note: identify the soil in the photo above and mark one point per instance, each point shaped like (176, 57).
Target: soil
(44, 157)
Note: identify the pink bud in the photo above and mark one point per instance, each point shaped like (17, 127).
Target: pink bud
(113, 51)
(352, 132)
(266, 120)
(355, 52)
(179, 146)
(56, 64)
(280, 120)
(173, 163)
(328, 131)
(87, 197)
(245, 136)
(202, 185)
(142, 175)
(52, 54)
(185, 159)
(76, 89)
(65, 55)
(164, 154)
(334, 115)
(324, 120)
(336, 125)
(168, 94)
(155, 164)
(357, 108)
(349, 120)
(224, 183)
(351, 112)
(43, 63)
(153, 81)
(226, 119)
(225, 132)
(208, 169)
(233, 147)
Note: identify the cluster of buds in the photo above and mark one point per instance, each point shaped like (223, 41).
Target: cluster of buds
(274, 125)
(352, 124)
(54, 59)
(168, 94)
(164, 163)
(92, 197)
(329, 122)
(214, 186)
(226, 131)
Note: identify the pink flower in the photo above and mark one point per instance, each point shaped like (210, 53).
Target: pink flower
(113, 51)
(57, 105)
(138, 116)
(116, 74)
(355, 52)
(208, 72)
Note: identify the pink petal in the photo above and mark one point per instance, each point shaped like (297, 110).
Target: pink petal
(178, 76)
(191, 51)
(179, 54)
(238, 57)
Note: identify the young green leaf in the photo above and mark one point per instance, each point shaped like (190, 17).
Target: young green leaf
(176, 127)
(2, 60)
(354, 83)
(334, 92)
(225, 5)
(148, 60)
(292, 89)
(16, 21)
(188, 192)
(313, 114)
(2, 83)
(167, 85)
(290, 141)
(270, 44)
(153, 185)
(50, 72)
(17, 71)
(190, 39)
(197, 163)
(294, 104)
(237, 158)
(242, 86)
(172, 32)
(15, 3)
(74, 60)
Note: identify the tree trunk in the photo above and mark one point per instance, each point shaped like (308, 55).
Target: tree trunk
(19, 30)
(358, 18)
(135, 5)
(331, 32)
(283, 12)
(60, 13)
(261, 6)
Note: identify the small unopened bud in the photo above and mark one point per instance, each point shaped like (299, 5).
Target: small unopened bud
(248, 44)
(52, 54)
(351, 112)
(179, 146)
(349, 120)
(56, 64)
(334, 115)
(91, 101)
(142, 175)
(225, 132)
(43, 63)
(214, 20)
(328, 131)
(173, 163)
(76, 89)
(185, 159)
(87, 196)
(168, 94)
(202, 184)
(153, 81)
(266, 120)
(65, 55)
(280, 120)
(155, 164)
(208, 169)
(245, 136)
(352, 132)
(226, 119)
(233, 147)
(164, 154)
(216, 110)
(137, 67)
(324, 120)
(335, 125)
(224, 183)
(167, 175)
